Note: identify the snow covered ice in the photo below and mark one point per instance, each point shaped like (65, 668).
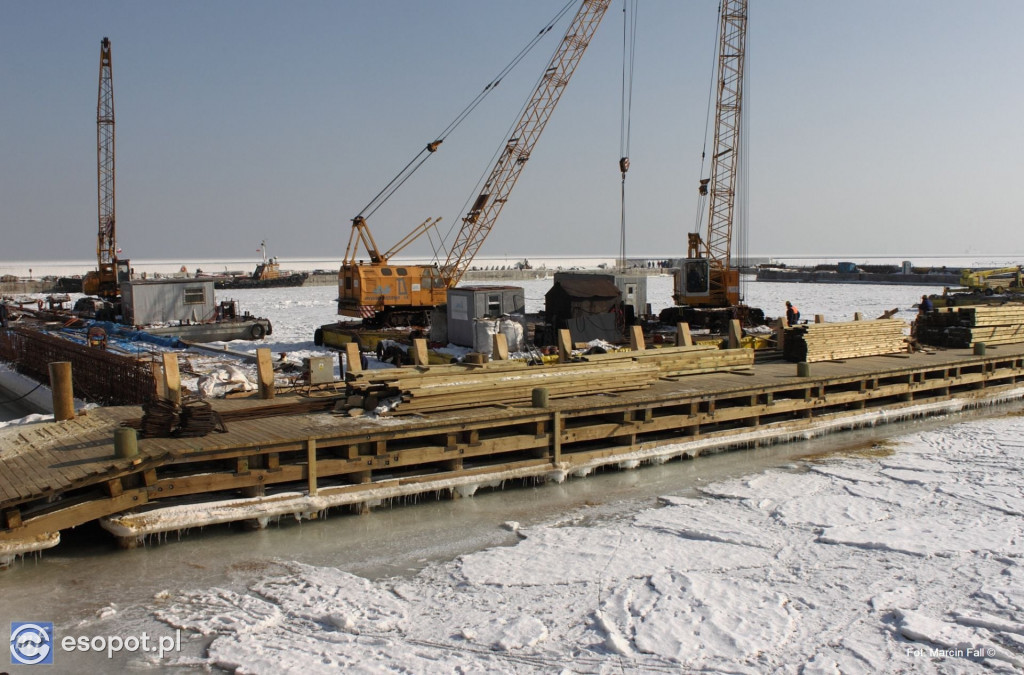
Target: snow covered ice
(912, 562)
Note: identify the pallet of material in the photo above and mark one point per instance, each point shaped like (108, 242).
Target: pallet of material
(679, 361)
(843, 340)
(963, 327)
(514, 387)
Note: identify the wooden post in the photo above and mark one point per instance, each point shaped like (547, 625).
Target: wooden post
(735, 334)
(500, 348)
(63, 392)
(564, 345)
(265, 373)
(683, 338)
(419, 352)
(311, 465)
(172, 378)
(819, 318)
(556, 437)
(636, 339)
(353, 359)
(857, 316)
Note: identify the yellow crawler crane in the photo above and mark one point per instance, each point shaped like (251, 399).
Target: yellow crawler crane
(385, 294)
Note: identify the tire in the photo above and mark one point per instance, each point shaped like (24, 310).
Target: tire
(257, 331)
(988, 291)
(318, 337)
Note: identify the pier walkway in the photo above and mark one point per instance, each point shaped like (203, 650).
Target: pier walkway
(293, 456)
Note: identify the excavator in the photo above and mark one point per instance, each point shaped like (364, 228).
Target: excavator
(104, 281)
(706, 286)
(383, 293)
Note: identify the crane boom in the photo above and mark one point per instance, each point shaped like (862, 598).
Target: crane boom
(480, 219)
(707, 278)
(725, 159)
(104, 281)
(106, 243)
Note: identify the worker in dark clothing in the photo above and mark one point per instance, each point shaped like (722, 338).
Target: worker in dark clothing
(3, 315)
(792, 314)
(925, 306)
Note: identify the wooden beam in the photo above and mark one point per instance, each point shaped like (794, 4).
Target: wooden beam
(564, 345)
(13, 518)
(172, 378)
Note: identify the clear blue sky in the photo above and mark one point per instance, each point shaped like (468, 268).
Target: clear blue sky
(875, 126)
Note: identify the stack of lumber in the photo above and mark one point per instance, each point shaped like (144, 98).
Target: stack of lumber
(679, 361)
(449, 387)
(843, 340)
(967, 326)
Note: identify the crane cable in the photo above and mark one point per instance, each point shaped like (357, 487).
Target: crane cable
(629, 11)
(417, 161)
(703, 190)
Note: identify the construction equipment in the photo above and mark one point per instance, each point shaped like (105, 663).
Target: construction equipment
(104, 281)
(993, 281)
(706, 279)
(382, 293)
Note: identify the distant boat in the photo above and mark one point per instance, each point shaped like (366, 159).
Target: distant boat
(267, 275)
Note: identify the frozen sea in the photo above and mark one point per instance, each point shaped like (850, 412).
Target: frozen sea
(898, 548)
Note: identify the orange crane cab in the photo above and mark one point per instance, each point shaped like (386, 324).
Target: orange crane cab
(379, 292)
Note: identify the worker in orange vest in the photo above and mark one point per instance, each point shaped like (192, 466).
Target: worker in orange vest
(792, 314)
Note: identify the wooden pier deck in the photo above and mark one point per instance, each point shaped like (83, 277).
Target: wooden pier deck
(59, 475)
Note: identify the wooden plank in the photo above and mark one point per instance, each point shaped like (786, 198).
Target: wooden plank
(499, 348)
(353, 359)
(419, 352)
(172, 377)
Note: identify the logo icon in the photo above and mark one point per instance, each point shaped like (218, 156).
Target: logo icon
(31, 643)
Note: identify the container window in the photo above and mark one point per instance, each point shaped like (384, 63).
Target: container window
(195, 296)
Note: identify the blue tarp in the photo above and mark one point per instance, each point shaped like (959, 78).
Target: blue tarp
(116, 330)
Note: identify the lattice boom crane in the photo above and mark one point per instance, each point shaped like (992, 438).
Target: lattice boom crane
(379, 292)
(707, 277)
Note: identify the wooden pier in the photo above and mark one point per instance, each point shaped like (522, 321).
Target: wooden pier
(277, 458)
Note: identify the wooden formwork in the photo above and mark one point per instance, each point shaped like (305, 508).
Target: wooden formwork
(54, 477)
